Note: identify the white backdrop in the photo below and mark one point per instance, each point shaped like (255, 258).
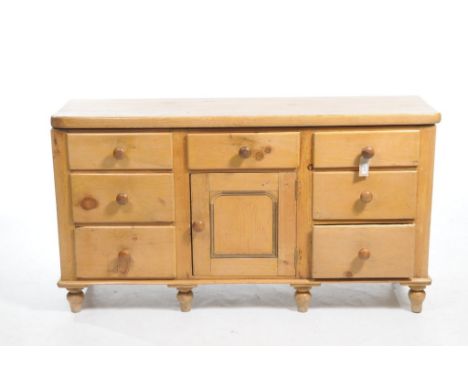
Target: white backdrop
(52, 51)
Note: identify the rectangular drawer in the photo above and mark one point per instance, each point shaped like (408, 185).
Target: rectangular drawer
(126, 151)
(243, 150)
(363, 251)
(149, 198)
(343, 149)
(125, 252)
(342, 195)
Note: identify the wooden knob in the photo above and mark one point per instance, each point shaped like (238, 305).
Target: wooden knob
(123, 263)
(119, 153)
(259, 155)
(364, 253)
(88, 203)
(121, 198)
(368, 152)
(198, 226)
(245, 152)
(366, 196)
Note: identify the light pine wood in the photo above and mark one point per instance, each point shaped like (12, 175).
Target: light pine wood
(424, 203)
(416, 295)
(245, 112)
(200, 208)
(244, 267)
(185, 297)
(304, 207)
(199, 281)
(336, 251)
(242, 216)
(183, 238)
(287, 224)
(243, 225)
(381, 195)
(266, 189)
(303, 297)
(263, 182)
(120, 151)
(202, 185)
(243, 280)
(63, 200)
(150, 197)
(345, 148)
(243, 150)
(75, 298)
(150, 250)
(417, 281)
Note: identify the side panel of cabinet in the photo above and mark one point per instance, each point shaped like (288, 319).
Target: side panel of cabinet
(244, 224)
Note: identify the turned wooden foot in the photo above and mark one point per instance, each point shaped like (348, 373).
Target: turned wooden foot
(75, 298)
(303, 298)
(416, 295)
(185, 297)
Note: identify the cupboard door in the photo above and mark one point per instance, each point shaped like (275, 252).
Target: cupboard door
(244, 224)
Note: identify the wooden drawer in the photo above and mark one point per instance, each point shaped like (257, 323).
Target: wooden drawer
(101, 198)
(125, 252)
(120, 151)
(345, 195)
(243, 150)
(363, 251)
(343, 149)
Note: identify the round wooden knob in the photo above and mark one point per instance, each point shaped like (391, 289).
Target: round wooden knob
(259, 155)
(123, 264)
(88, 203)
(366, 196)
(368, 152)
(364, 253)
(245, 152)
(121, 198)
(198, 226)
(119, 153)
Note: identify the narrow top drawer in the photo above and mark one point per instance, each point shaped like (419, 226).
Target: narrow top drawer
(120, 151)
(243, 150)
(343, 149)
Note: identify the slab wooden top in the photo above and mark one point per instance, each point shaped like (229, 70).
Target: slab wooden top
(245, 112)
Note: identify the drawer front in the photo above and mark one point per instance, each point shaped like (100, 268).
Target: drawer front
(366, 251)
(125, 252)
(382, 195)
(101, 198)
(120, 151)
(343, 149)
(249, 150)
